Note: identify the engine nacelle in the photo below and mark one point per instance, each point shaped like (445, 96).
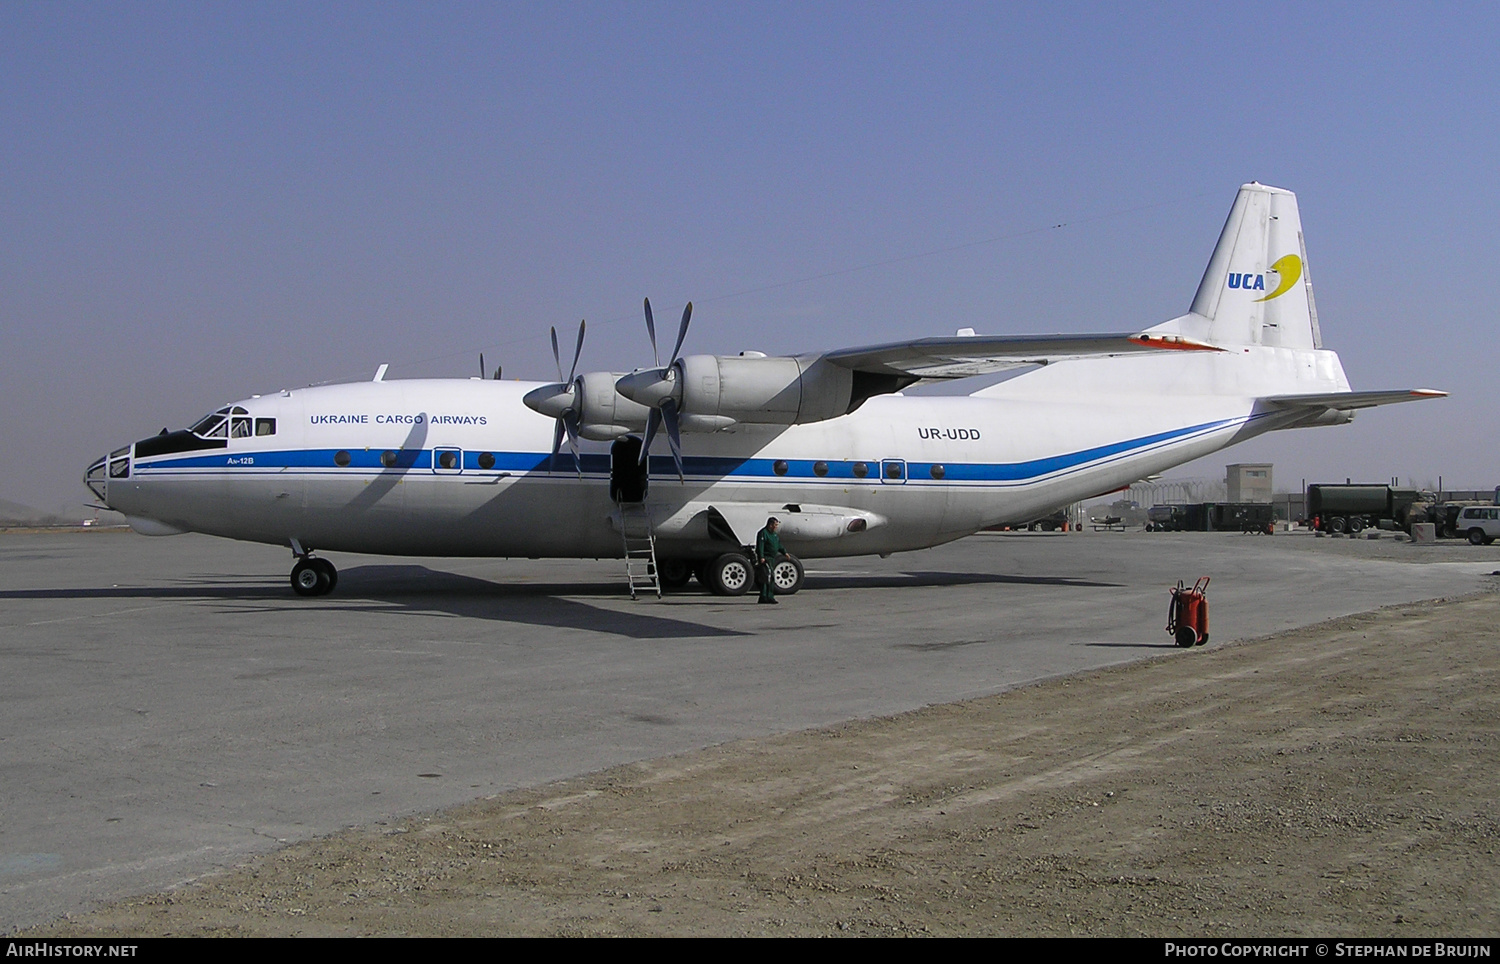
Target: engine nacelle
(719, 390)
(603, 413)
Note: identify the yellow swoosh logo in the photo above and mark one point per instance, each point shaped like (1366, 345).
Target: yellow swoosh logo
(1289, 267)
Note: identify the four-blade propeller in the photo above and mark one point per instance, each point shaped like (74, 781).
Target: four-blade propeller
(560, 401)
(657, 388)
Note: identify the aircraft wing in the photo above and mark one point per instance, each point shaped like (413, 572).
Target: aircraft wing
(961, 356)
(1347, 401)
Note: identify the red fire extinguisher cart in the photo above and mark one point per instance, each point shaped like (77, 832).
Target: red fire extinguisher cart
(1187, 614)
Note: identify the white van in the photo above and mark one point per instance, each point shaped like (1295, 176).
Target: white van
(1481, 522)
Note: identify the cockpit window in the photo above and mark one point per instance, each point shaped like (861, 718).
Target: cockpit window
(232, 422)
(206, 422)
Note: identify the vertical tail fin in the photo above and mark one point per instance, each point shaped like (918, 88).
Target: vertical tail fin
(1257, 289)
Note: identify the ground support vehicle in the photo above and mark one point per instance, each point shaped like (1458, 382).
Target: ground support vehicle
(1353, 508)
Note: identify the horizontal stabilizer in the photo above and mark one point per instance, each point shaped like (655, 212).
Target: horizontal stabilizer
(962, 356)
(1346, 401)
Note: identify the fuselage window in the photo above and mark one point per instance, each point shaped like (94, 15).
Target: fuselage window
(938, 471)
(820, 469)
(779, 467)
(341, 458)
(447, 460)
(239, 427)
(388, 458)
(861, 470)
(265, 426)
(486, 460)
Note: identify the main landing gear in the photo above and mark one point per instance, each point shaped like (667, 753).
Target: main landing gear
(312, 576)
(733, 574)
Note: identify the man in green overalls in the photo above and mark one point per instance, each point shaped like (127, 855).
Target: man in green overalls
(767, 553)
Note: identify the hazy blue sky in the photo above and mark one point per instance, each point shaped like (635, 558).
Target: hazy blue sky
(200, 201)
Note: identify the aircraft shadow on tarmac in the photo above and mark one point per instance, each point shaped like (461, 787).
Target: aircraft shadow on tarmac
(910, 580)
(417, 590)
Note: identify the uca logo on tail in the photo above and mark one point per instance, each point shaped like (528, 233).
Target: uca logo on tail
(1288, 268)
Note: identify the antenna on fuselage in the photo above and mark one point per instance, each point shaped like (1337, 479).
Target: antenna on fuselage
(380, 373)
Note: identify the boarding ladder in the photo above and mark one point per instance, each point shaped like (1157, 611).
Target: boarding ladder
(640, 548)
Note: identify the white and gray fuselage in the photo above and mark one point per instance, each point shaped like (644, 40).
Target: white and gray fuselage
(461, 467)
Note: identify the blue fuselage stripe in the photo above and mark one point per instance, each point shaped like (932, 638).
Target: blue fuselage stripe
(840, 470)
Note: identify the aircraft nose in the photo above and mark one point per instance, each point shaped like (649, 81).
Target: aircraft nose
(115, 465)
(94, 477)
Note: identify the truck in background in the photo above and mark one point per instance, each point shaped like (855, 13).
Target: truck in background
(1353, 508)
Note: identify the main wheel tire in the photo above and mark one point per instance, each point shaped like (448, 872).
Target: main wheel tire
(308, 579)
(1337, 524)
(702, 572)
(1356, 525)
(1186, 638)
(673, 573)
(787, 575)
(731, 575)
(1476, 537)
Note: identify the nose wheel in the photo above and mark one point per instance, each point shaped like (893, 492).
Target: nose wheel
(314, 577)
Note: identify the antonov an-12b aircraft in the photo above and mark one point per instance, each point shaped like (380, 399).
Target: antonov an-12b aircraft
(826, 442)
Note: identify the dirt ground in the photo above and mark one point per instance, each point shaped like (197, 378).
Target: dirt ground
(1338, 780)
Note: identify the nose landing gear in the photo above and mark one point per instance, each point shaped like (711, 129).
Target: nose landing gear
(312, 576)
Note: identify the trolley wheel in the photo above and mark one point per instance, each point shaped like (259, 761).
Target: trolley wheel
(731, 574)
(1186, 638)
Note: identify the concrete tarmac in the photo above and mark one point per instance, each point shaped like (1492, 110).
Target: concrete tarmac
(170, 707)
